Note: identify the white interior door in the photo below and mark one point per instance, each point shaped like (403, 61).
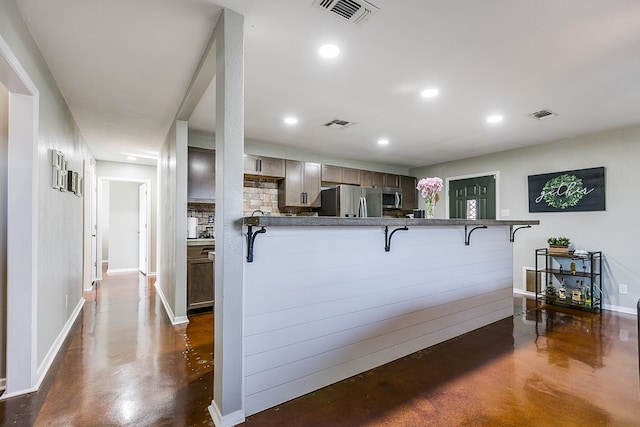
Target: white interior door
(142, 230)
(93, 189)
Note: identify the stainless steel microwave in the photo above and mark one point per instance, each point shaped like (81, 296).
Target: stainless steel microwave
(379, 198)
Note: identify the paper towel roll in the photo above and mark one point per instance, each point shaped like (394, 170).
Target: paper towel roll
(192, 228)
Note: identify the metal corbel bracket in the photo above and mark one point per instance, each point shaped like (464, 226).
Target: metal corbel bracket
(387, 236)
(251, 237)
(512, 232)
(467, 235)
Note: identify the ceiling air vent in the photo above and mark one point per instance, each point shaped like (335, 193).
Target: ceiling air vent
(339, 124)
(356, 11)
(543, 114)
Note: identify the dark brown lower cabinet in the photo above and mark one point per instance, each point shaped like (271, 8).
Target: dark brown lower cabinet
(200, 278)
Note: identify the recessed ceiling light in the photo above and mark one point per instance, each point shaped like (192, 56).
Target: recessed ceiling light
(429, 93)
(131, 158)
(383, 141)
(494, 119)
(290, 120)
(329, 51)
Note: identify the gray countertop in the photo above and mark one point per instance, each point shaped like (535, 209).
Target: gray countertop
(201, 242)
(312, 221)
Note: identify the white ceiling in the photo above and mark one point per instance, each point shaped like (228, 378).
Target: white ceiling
(123, 67)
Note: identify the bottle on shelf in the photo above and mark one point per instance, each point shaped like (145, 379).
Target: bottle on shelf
(551, 290)
(573, 268)
(587, 296)
(576, 295)
(562, 291)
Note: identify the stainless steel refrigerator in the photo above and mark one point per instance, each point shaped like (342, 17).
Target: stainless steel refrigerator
(344, 201)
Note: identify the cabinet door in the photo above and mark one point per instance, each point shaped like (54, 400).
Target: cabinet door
(201, 175)
(292, 187)
(392, 181)
(366, 178)
(250, 164)
(200, 277)
(409, 199)
(350, 176)
(332, 174)
(312, 187)
(271, 167)
(378, 180)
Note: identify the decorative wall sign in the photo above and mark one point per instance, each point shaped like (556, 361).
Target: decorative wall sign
(569, 191)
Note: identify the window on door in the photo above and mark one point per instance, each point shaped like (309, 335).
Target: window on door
(473, 198)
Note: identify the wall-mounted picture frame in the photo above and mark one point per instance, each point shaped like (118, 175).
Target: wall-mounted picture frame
(72, 181)
(79, 185)
(56, 159)
(58, 174)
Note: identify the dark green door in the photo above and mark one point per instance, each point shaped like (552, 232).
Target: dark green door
(473, 198)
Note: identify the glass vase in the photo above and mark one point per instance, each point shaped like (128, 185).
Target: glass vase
(430, 203)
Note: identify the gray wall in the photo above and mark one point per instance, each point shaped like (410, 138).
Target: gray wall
(136, 173)
(614, 231)
(172, 228)
(60, 215)
(4, 98)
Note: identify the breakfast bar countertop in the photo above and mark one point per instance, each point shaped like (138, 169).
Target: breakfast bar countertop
(311, 221)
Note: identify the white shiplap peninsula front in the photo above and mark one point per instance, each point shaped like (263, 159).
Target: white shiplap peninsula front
(325, 301)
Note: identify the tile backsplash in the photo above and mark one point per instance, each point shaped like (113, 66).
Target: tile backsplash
(258, 194)
(261, 194)
(203, 211)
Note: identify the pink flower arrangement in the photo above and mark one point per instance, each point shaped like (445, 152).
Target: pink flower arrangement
(429, 186)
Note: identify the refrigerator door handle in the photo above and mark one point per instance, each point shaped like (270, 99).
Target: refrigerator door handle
(363, 207)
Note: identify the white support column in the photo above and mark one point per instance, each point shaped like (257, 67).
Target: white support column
(22, 241)
(180, 224)
(227, 407)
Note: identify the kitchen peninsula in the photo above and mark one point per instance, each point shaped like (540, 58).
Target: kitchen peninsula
(327, 298)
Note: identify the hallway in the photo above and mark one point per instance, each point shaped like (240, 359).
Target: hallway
(124, 364)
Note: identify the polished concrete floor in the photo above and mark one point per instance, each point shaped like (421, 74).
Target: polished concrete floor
(124, 364)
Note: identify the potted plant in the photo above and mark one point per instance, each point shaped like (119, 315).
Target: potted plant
(558, 245)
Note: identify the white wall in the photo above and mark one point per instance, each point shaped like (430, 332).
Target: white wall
(614, 231)
(4, 110)
(136, 173)
(123, 225)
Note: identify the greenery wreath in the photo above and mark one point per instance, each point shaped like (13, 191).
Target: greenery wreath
(563, 191)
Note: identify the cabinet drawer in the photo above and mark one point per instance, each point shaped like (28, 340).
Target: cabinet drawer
(197, 252)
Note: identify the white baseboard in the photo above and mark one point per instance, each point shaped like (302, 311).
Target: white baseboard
(55, 348)
(610, 307)
(229, 420)
(522, 292)
(619, 309)
(175, 320)
(44, 367)
(122, 270)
